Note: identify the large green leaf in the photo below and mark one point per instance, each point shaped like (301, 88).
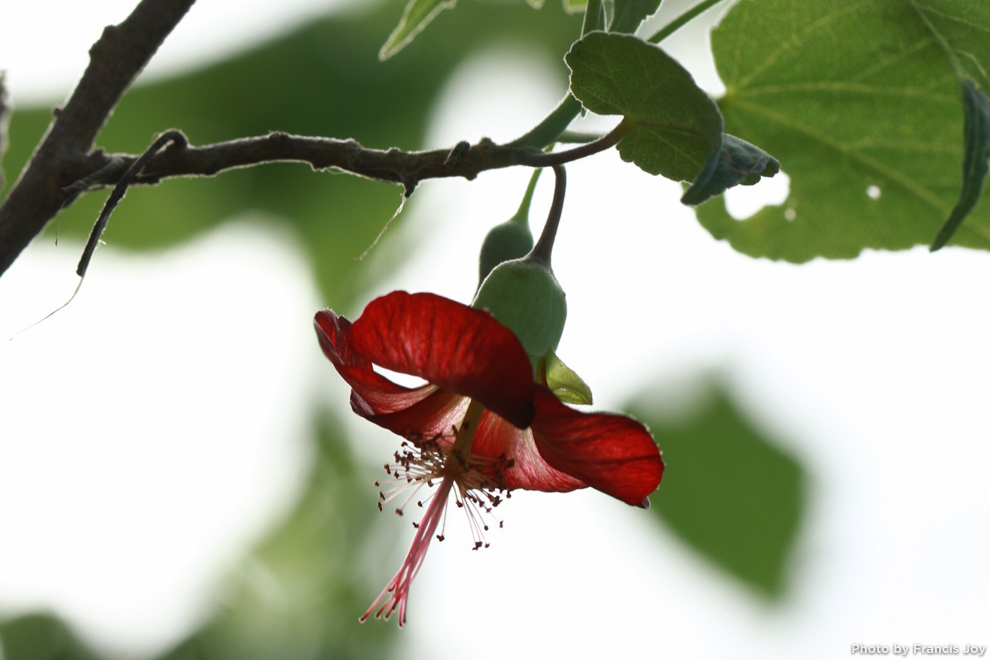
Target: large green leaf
(728, 491)
(860, 101)
(676, 126)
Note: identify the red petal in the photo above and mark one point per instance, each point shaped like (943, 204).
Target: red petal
(456, 347)
(496, 437)
(424, 411)
(613, 453)
(334, 333)
(433, 418)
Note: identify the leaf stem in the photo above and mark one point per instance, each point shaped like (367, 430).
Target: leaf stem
(680, 21)
(607, 141)
(522, 215)
(592, 17)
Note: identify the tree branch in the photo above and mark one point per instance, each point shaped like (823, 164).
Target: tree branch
(393, 165)
(64, 167)
(61, 159)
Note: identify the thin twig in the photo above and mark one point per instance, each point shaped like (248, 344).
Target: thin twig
(63, 157)
(169, 137)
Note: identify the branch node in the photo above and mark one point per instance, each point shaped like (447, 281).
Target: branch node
(457, 153)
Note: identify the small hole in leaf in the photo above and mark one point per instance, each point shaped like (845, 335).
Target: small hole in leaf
(873, 192)
(790, 214)
(743, 202)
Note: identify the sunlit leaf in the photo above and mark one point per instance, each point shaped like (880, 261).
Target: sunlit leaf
(976, 140)
(676, 125)
(860, 102)
(729, 491)
(417, 15)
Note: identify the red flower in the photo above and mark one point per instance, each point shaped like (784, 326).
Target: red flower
(480, 426)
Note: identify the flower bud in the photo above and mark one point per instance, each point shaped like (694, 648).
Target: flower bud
(510, 240)
(524, 296)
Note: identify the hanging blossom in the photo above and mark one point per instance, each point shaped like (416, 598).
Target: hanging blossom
(480, 426)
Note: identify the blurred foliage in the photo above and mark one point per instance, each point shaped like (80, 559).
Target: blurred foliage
(300, 593)
(326, 80)
(40, 637)
(729, 492)
(297, 595)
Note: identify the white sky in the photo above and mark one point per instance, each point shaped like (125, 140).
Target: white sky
(872, 372)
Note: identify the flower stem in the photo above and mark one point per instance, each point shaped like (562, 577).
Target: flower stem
(522, 215)
(543, 249)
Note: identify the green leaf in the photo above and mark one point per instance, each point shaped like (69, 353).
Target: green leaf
(976, 138)
(417, 15)
(860, 102)
(627, 15)
(562, 381)
(574, 6)
(728, 491)
(676, 127)
(739, 162)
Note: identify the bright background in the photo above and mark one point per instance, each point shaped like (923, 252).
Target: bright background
(174, 367)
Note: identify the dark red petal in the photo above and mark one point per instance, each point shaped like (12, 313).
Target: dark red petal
(451, 345)
(423, 412)
(496, 438)
(613, 453)
(381, 394)
(432, 419)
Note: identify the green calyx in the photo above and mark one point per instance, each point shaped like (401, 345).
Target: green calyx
(563, 381)
(524, 296)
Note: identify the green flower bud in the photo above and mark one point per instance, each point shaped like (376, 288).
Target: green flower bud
(510, 240)
(524, 296)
